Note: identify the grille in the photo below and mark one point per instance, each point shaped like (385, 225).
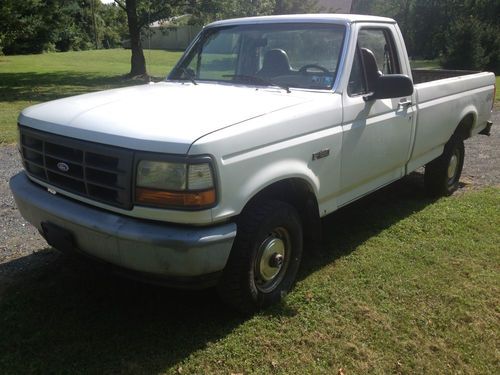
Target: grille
(99, 172)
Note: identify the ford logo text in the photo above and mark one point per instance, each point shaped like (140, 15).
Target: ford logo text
(62, 166)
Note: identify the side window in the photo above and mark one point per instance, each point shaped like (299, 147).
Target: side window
(381, 43)
(357, 83)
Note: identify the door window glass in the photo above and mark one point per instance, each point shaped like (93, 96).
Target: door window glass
(381, 43)
(357, 83)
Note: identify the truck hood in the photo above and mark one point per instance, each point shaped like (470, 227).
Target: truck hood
(164, 117)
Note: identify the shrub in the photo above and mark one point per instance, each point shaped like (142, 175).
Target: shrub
(490, 41)
(463, 49)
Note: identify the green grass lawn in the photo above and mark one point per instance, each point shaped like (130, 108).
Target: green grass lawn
(425, 64)
(30, 79)
(403, 284)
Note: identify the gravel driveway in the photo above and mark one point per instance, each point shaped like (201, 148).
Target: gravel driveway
(18, 239)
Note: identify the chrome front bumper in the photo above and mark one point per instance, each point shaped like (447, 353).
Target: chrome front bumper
(182, 254)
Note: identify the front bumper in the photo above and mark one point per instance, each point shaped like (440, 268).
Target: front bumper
(159, 251)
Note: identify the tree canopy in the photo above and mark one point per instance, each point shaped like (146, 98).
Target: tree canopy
(463, 34)
(34, 26)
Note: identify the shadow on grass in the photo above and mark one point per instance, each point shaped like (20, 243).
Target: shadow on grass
(40, 87)
(350, 226)
(68, 317)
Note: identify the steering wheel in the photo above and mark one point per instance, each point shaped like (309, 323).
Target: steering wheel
(304, 68)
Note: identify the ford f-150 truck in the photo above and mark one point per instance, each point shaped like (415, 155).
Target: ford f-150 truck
(219, 175)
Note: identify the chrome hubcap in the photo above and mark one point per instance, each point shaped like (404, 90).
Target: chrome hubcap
(272, 258)
(272, 261)
(452, 167)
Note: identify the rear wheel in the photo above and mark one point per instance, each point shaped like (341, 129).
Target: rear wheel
(442, 175)
(265, 257)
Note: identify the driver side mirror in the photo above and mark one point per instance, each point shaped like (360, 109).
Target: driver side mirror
(392, 86)
(384, 86)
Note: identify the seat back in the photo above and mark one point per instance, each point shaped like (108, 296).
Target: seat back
(275, 63)
(371, 68)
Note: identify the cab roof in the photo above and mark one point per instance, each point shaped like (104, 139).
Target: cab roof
(303, 18)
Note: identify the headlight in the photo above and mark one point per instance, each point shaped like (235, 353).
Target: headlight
(161, 175)
(175, 185)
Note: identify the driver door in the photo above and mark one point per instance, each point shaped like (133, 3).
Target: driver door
(376, 133)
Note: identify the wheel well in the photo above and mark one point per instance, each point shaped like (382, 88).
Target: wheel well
(464, 129)
(299, 194)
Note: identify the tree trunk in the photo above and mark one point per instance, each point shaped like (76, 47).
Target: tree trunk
(137, 61)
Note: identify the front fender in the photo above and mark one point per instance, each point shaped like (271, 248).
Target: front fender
(249, 181)
(276, 172)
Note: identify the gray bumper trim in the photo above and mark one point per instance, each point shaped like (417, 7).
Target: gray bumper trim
(152, 247)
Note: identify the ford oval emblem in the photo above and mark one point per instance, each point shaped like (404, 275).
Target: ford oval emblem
(62, 166)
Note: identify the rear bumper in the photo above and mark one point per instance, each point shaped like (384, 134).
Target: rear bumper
(487, 129)
(166, 253)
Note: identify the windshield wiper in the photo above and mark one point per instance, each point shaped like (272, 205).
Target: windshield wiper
(257, 80)
(189, 75)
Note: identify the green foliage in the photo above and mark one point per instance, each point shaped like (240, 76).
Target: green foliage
(22, 22)
(112, 25)
(298, 7)
(490, 40)
(42, 25)
(34, 26)
(235, 8)
(211, 10)
(149, 11)
(362, 6)
(464, 49)
(465, 34)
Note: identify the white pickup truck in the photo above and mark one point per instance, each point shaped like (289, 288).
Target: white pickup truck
(219, 175)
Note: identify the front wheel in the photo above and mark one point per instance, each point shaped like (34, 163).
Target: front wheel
(442, 175)
(265, 257)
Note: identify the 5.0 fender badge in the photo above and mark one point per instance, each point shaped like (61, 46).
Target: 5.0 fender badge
(321, 154)
(62, 166)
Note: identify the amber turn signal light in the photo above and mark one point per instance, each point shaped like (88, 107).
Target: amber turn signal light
(188, 199)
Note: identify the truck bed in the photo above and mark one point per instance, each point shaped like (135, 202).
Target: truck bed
(428, 75)
(444, 99)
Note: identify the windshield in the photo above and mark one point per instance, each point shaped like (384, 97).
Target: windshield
(286, 55)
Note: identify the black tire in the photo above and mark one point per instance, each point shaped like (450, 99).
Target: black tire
(265, 257)
(442, 175)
